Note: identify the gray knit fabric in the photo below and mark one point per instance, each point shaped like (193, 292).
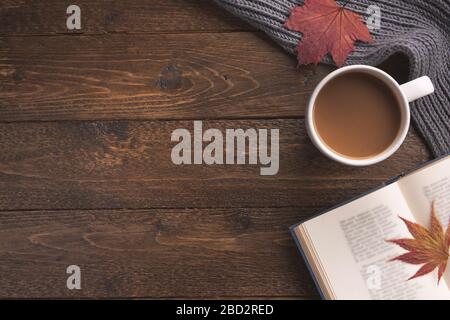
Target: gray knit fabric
(418, 28)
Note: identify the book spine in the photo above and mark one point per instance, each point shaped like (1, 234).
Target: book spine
(302, 253)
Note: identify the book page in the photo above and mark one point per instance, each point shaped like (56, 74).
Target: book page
(350, 243)
(421, 188)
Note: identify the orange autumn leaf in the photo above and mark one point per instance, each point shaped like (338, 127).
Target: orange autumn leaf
(429, 247)
(326, 27)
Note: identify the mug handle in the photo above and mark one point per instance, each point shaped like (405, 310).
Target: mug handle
(417, 88)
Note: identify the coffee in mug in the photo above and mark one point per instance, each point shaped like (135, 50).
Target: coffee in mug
(359, 115)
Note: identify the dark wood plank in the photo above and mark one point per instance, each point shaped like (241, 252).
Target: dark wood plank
(197, 76)
(154, 253)
(155, 60)
(87, 165)
(29, 17)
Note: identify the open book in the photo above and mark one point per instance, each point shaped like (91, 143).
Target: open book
(346, 247)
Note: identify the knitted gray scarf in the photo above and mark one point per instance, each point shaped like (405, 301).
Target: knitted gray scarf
(418, 28)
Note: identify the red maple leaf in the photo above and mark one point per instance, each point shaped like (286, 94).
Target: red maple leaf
(326, 27)
(429, 247)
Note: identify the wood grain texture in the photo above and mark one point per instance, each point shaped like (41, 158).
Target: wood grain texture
(197, 76)
(76, 188)
(85, 165)
(168, 253)
(30, 17)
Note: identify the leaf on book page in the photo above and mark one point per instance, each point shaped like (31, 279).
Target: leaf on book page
(429, 247)
(326, 27)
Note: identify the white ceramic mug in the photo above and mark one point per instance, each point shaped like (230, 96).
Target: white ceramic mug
(404, 93)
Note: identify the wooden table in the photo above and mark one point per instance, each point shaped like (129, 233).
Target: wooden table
(85, 170)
